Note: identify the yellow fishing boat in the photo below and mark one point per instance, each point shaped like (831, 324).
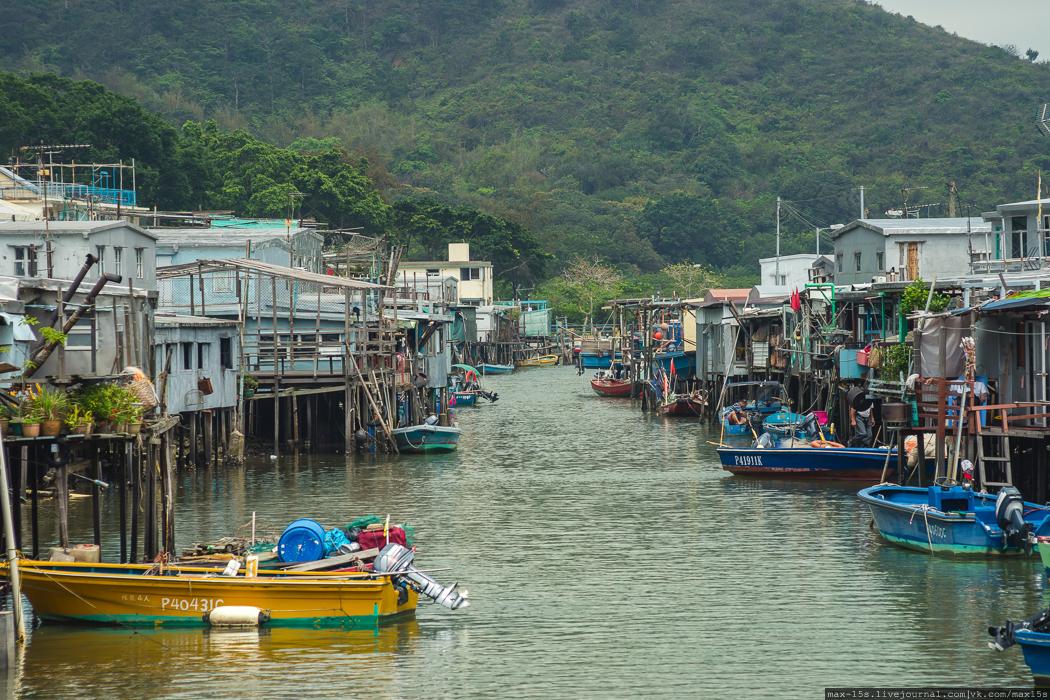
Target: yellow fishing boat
(541, 361)
(174, 595)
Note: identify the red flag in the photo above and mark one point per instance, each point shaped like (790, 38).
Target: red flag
(672, 365)
(796, 301)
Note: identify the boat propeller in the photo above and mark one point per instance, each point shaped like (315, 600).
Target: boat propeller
(1004, 636)
(397, 560)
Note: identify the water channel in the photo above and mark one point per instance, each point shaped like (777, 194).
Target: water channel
(606, 554)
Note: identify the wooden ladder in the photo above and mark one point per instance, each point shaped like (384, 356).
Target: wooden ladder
(1000, 455)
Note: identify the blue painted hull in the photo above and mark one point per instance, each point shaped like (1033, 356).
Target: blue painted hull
(465, 398)
(426, 438)
(821, 463)
(495, 369)
(912, 517)
(597, 360)
(684, 362)
(1036, 649)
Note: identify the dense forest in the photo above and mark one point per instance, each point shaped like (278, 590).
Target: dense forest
(644, 132)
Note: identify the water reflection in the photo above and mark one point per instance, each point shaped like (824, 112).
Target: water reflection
(607, 555)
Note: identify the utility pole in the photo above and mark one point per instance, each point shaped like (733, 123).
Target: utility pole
(862, 201)
(776, 274)
(818, 241)
(953, 199)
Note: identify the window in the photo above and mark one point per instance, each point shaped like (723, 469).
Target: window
(838, 261)
(187, 355)
(856, 260)
(25, 261)
(781, 280)
(140, 267)
(226, 353)
(469, 273)
(879, 261)
(118, 255)
(100, 253)
(202, 355)
(79, 336)
(433, 273)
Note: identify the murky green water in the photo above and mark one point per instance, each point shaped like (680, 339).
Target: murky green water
(606, 554)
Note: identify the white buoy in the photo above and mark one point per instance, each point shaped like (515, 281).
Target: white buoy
(236, 616)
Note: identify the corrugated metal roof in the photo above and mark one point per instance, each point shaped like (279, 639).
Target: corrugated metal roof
(67, 228)
(898, 227)
(293, 273)
(163, 319)
(222, 237)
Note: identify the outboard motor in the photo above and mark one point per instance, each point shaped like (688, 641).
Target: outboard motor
(395, 559)
(809, 426)
(1004, 636)
(1009, 514)
(755, 420)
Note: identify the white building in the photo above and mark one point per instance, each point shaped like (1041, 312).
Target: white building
(472, 278)
(794, 270)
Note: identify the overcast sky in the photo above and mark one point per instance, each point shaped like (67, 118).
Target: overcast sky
(1023, 23)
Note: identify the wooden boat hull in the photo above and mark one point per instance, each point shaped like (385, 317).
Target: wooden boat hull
(427, 438)
(683, 407)
(612, 387)
(495, 369)
(904, 516)
(821, 463)
(122, 594)
(541, 361)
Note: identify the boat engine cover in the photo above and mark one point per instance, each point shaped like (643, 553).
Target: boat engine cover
(1009, 514)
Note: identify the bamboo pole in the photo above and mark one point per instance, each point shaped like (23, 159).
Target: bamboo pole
(12, 548)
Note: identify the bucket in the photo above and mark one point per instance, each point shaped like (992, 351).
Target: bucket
(857, 400)
(821, 416)
(895, 413)
(302, 540)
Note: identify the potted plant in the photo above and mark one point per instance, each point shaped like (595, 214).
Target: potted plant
(30, 422)
(79, 421)
(50, 406)
(5, 421)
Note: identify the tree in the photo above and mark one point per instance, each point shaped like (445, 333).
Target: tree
(591, 282)
(689, 281)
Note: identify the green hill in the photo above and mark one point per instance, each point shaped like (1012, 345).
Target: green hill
(641, 131)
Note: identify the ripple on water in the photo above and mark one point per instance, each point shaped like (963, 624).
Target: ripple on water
(607, 555)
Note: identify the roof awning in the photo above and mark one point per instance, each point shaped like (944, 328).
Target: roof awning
(1038, 299)
(289, 273)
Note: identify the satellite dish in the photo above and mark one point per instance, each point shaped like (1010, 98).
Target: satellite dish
(1044, 119)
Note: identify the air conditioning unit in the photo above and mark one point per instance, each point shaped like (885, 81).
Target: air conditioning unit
(878, 279)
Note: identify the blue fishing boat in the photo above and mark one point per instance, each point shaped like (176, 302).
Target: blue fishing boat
(806, 461)
(1033, 635)
(486, 368)
(427, 438)
(767, 398)
(785, 422)
(956, 520)
(602, 359)
(464, 398)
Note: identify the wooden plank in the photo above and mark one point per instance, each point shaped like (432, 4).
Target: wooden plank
(333, 562)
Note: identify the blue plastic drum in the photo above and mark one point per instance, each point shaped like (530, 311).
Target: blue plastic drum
(301, 541)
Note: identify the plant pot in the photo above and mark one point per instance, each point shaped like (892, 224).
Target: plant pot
(30, 430)
(5, 427)
(134, 428)
(120, 428)
(16, 428)
(50, 428)
(82, 429)
(104, 426)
